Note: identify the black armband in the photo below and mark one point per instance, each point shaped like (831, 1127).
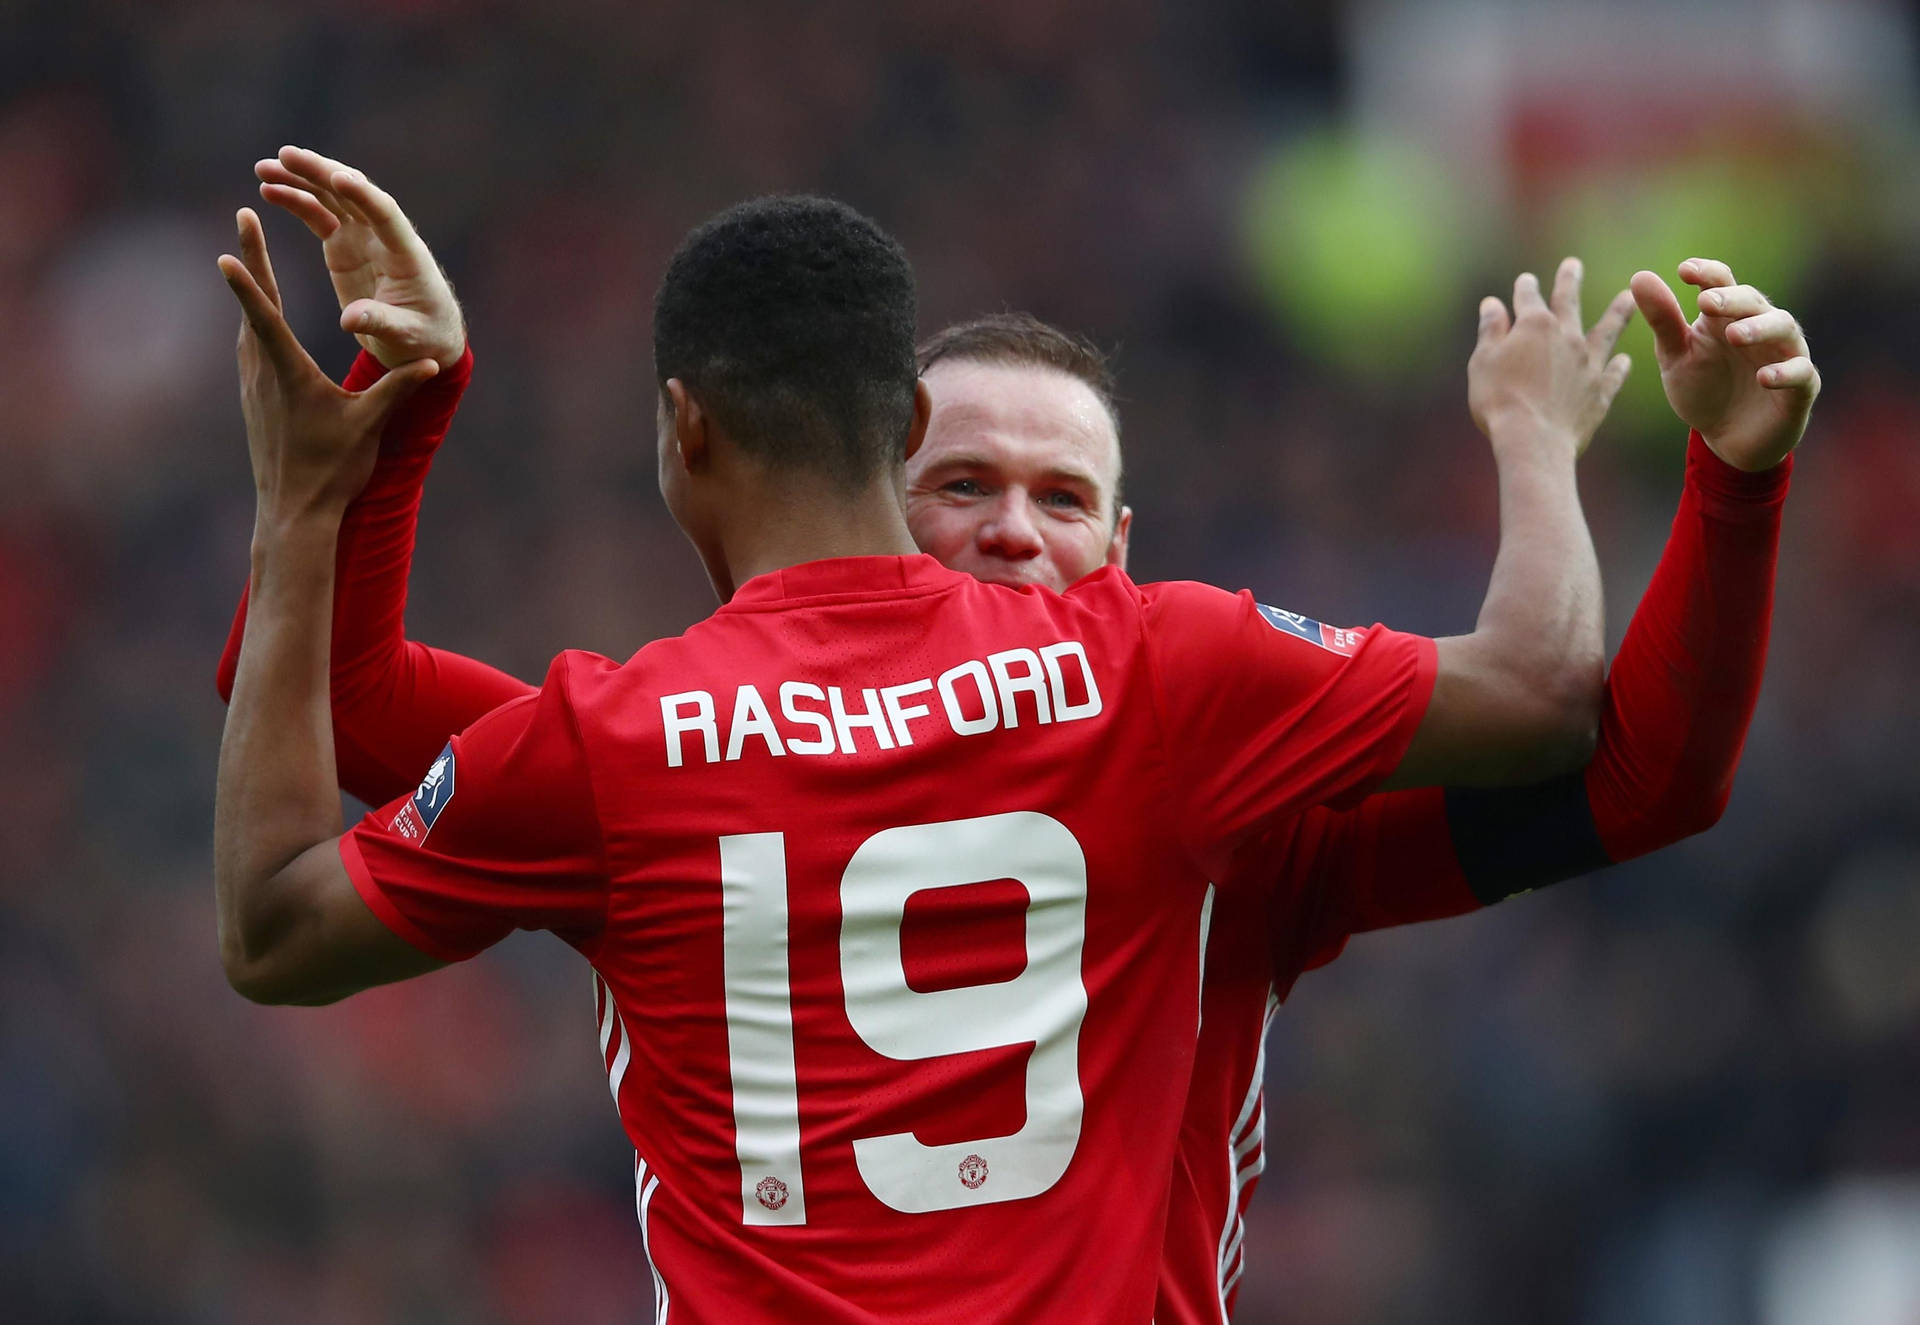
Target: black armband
(1511, 840)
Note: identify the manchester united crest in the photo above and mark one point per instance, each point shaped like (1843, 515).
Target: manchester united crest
(773, 1193)
(973, 1172)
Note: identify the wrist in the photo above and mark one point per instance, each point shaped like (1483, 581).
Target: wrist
(1730, 490)
(456, 368)
(1727, 456)
(1521, 432)
(286, 532)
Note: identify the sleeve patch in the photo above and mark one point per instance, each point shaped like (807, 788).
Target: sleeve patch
(1334, 639)
(418, 816)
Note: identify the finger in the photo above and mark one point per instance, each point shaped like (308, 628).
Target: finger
(313, 172)
(1661, 308)
(309, 209)
(1494, 322)
(1526, 295)
(266, 321)
(1733, 301)
(317, 172)
(1775, 328)
(1606, 332)
(253, 252)
(377, 205)
(370, 317)
(1706, 273)
(1796, 375)
(383, 397)
(270, 171)
(1566, 292)
(1614, 376)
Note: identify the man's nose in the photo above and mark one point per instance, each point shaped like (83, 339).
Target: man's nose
(1009, 529)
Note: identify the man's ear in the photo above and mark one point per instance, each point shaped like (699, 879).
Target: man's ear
(692, 437)
(1117, 545)
(922, 412)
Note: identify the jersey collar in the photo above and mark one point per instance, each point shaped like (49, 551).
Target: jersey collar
(843, 577)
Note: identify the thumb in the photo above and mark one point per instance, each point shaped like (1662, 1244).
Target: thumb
(378, 402)
(370, 317)
(1659, 306)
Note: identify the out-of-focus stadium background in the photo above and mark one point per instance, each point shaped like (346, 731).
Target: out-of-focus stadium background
(1688, 1091)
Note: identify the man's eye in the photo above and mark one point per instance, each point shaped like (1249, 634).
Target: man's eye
(964, 487)
(1066, 501)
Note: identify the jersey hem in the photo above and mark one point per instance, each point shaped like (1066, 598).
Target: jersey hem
(383, 908)
(590, 947)
(1426, 673)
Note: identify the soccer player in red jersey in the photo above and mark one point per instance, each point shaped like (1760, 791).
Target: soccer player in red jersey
(990, 466)
(1678, 701)
(750, 830)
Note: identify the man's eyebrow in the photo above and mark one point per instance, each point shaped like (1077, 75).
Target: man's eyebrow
(971, 460)
(962, 460)
(1073, 474)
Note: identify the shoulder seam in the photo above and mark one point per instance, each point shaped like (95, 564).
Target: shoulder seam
(1164, 737)
(593, 796)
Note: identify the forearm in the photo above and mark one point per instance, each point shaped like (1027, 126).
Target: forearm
(1684, 688)
(394, 702)
(1518, 699)
(275, 796)
(1543, 611)
(1676, 708)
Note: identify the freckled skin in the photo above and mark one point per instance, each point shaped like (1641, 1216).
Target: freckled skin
(1015, 482)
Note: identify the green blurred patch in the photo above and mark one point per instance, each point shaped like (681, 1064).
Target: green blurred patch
(1756, 218)
(1373, 255)
(1361, 246)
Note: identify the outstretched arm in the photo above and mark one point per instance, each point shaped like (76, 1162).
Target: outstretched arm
(286, 905)
(394, 701)
(1681, 693)
(1518, 699)
(1674, 720)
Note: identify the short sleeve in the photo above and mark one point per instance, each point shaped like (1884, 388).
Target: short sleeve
(502, 834)
(1269, 713)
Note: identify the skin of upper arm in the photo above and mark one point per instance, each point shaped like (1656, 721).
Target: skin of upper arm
(330, 945)
(1488, 723)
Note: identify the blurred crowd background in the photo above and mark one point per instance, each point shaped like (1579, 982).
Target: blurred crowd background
(1685, 1091)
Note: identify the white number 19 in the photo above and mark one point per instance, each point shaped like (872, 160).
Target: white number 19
(1044, 1005)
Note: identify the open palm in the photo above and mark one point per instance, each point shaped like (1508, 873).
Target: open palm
(1740, 373)
(393, 296)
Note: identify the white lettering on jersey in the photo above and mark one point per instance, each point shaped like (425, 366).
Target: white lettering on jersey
(898, 712)
(751, 718)
(872, 717)
(792, 690)
(1064, 709)
(1055, 684)
(1030, 680)
(676, 724)
(983, 688)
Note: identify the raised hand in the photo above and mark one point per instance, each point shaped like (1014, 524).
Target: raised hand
(1740, 373)
(1538, 370)
(394, 298)
(313, 444)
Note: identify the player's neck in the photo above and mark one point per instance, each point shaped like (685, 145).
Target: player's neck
(786, 527)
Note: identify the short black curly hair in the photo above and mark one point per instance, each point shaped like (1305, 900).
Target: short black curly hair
(792, 320)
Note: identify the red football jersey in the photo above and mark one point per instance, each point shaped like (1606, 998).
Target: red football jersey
(1288, 902)
(893, 887)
